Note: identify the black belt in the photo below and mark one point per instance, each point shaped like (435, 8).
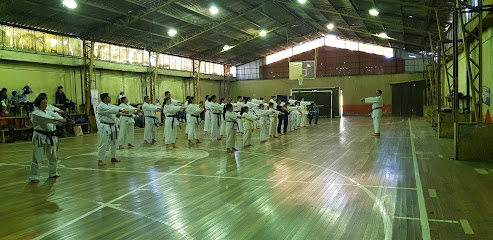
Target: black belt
(198, 118)
(173, 122)
(218, 119)
(155, 119)
(116, 132)
(375, 109)
(234, 123)
(51, 135)
(127, 115)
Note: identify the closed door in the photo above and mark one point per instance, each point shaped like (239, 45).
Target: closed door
(407, 99)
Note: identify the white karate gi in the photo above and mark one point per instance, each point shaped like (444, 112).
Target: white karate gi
(231, 127)
(222, 130)
(263, 116)
(107, 129)
(248, 127)
(150, 121)
(171, 123)
(187, 129)
(44, 145)
(194, 111)
(273, 122)
(127, 125)
(292, 102)
(215, 124)
(253, 110)
(377, 113)
(207, 119)
(293, 118)
(274, 102)
(304, 105)
(237, 110)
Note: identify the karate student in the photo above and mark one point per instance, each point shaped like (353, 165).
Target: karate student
(207, 117)
(107, 129)
(304, 109)
(50, 107)
(44, 139)
(294, 117)
(248, 126)
(237, 109)
(284, 118)
(150, 120)
(291, 101)
(187, 119)
(263, 121)
(194, 110)
(171, 124)
(273, 120)
(273, 99)
(222, 129)
(376, 110)
(215, 124)
(126, 124)
(231, 125)
(253, 105)
(174, 102)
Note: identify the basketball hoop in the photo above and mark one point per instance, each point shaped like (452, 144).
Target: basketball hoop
(300, 79)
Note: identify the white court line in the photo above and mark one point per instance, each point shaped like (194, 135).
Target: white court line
(481, 171)
(465, 226)
(425, 226)
(431, 220)
(59, 227)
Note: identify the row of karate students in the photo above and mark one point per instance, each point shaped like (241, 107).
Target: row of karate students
(45, 117)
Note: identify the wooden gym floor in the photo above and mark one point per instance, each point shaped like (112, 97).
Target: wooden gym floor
(329, 181)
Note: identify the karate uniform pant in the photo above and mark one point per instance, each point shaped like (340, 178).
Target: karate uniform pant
(126, 131)
(222, 130)
(240, 124)
(272, 127)
(263, 131)
(207, 122)
(150, 129)
(39, 153)
(189, 117)
(376, 124)
(170, 131)
(193, 131)
(214, 126)
(303, 120)
(104, 141)
(247, 138)
(230, 136)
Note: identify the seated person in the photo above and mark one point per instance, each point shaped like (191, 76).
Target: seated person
(24, 99)
(4, 101)
(62, 99)
(68, 126)
(14, 100)
(6, 124)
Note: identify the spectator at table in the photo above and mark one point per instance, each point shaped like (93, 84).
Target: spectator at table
(62, 99)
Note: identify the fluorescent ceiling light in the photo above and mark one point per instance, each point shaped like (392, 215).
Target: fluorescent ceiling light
(302, 1)
(330, 26)
(69, 4)
(214, 10)
(226, 48)
(263, 33)
(374, 12)
(172, 32)
(384, 35)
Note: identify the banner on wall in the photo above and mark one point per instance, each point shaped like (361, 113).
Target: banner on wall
(486, 96)
(95, 103)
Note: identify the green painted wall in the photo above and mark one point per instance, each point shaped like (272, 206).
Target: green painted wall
(354, 87)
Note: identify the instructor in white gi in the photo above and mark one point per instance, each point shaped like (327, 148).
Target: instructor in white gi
(376, 110)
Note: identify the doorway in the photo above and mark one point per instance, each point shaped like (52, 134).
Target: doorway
(407, 99)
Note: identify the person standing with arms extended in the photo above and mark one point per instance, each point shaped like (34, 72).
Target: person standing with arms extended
(376, 110)
(151, 120)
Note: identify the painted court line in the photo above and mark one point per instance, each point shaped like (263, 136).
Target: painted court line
(432, 193)
(481, 171)
(465, 225)
(431, 220)
(425, 226)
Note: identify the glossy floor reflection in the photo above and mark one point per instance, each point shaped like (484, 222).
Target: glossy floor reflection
(328, 181)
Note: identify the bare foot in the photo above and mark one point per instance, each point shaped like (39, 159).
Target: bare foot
(190, 143)
(153, 141)
(229, 151)
(115, 160)
(130, 146)
(263, 141)
(145, 142)
(101, 163)
(56, 176)
(376, 134)
(174, 146)
(198, 141)
(234, 149)
(35, 181)
(120, 148)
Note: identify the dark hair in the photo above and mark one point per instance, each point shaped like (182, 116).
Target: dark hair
(379, 91)
(273, 96)
(146, 97)
(190, 99)
(221, 100)
(290, 97)
(212, 98)
(60, 87)
(261, 105)
(14, 93)
(43, 95)
(4, 89)
(226, 108)
(243, 109)
(271, 104)
(121, 93)
(206, 97)
(121, 100)
(261, 98)
(239, 97)
(38, 100)
(279, 100)
(166, 93)
(103, 96)
(287, 104)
